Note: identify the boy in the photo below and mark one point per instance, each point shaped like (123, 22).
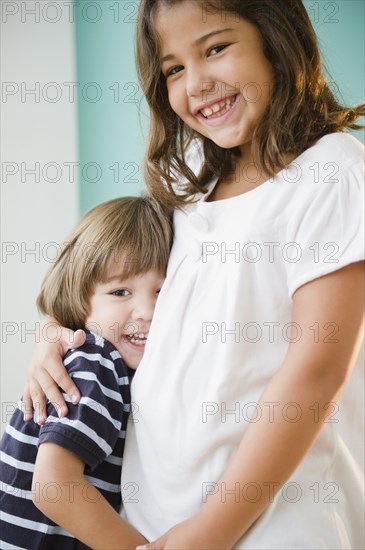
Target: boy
(60, 482)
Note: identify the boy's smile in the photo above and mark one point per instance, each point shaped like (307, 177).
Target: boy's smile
(218, 78)
(121, 311)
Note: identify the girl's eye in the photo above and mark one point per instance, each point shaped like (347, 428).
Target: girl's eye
(173, 71)
(216, 49)
(121, 292)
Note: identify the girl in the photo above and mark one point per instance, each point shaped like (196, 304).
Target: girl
(258, 325)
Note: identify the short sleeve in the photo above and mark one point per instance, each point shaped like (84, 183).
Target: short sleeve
(325, 231)
(92, 427)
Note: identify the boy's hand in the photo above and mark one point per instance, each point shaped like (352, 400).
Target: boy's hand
(46, 372)
(192, 534)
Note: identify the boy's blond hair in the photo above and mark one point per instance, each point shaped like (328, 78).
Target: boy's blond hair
(133, 231)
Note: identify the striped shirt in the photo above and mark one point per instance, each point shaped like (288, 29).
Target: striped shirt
(94, 430)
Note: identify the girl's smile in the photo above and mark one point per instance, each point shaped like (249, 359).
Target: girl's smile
(218, 78)
(217, 112)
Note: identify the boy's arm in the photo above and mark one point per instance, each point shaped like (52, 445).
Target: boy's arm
(313, 372)
(62, 493)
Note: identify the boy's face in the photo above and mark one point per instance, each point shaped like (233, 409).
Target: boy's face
(121, 311)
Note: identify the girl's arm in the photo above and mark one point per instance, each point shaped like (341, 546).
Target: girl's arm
(62, 493)
(46, 372)
(271, 449)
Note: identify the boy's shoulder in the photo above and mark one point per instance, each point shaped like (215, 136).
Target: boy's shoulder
(94, 341)
(97, 351)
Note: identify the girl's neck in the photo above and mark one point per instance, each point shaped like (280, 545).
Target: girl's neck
(245, 177)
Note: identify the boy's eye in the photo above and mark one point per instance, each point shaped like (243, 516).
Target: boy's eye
(121, 292)
(173, 71)
(216, 49)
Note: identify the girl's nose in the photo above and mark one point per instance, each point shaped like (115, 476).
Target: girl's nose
(198, 84)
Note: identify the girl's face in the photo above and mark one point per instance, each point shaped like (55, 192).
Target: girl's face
(121, 311)
(217, 76)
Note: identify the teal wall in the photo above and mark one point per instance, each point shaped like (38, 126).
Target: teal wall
(340, 28)
(112, 116)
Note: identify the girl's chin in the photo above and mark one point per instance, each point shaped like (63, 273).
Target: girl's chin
(227, 140)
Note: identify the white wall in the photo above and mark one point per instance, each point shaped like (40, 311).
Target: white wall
(34, 129)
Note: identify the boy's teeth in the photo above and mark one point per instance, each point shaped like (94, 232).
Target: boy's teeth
(138, 338)
(220, 107)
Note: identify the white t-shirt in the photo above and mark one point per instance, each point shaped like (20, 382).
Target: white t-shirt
(220, 332)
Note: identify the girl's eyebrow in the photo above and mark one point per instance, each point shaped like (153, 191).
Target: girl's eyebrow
(197, 42)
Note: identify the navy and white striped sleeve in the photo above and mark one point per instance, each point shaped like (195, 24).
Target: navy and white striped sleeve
(92, 427)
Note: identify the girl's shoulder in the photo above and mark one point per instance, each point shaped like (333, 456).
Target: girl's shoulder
(327, 184)
(194, 156)
(340, 148)
(194, 159)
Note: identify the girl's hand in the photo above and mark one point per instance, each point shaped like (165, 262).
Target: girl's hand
(192, 534)
(46, 372)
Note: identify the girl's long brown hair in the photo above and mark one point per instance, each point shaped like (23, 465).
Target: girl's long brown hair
(302, 108)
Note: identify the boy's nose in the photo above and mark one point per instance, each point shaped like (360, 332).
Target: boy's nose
(143, 309)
